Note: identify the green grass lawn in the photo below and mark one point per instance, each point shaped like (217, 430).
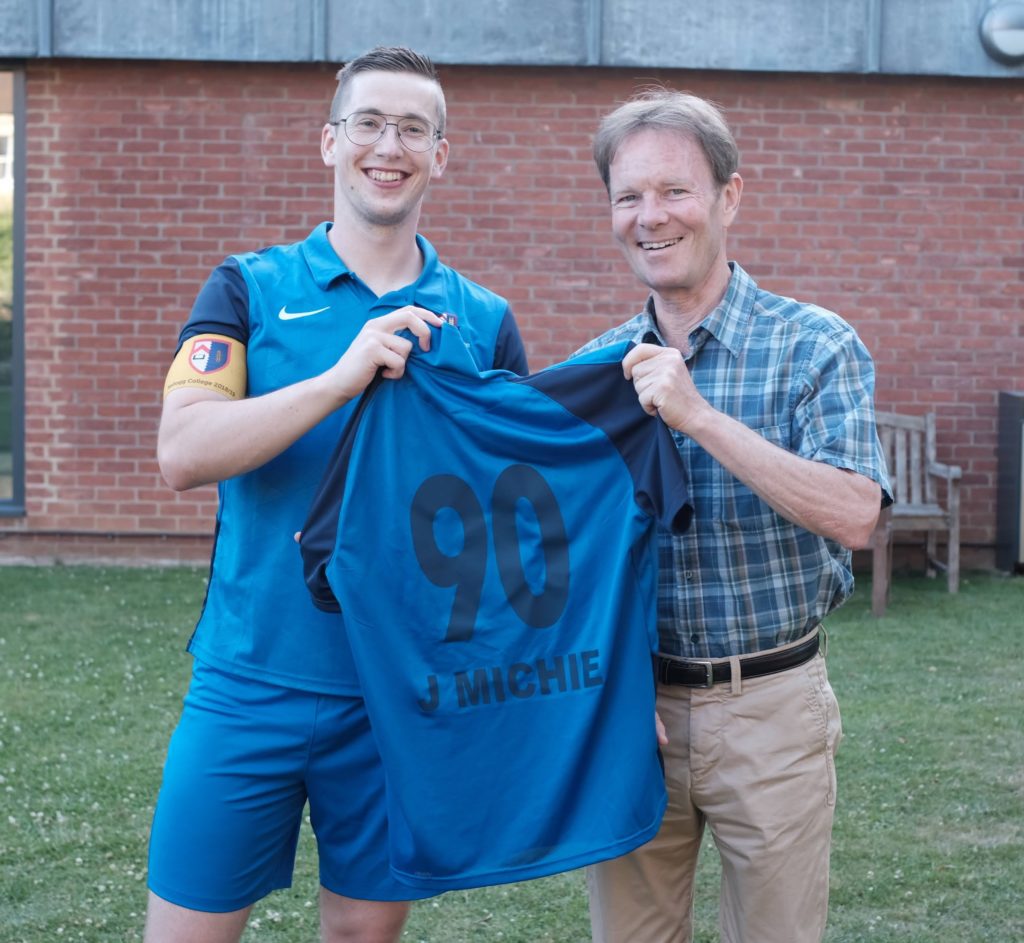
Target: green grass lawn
(929, 837)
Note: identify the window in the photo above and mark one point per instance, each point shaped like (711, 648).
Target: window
(12, 479)
(7, 154)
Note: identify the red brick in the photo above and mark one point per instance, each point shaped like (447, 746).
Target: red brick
(895, 201)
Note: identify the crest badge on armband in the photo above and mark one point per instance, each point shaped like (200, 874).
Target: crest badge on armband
(209, 356)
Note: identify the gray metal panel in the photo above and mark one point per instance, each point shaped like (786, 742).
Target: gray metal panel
(19, 31)
(241, 30)
(510, 32)
(752, 35)
(919, 40)
(932, 37)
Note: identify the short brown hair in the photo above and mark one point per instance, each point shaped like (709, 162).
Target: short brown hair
(668, 110)
(389, 59)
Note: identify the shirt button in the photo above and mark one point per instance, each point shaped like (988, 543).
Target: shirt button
(688, 574)
(694, 638)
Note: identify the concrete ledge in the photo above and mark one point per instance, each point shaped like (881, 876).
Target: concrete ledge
(105, 549)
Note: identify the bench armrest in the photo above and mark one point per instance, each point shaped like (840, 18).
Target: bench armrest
(949, 472)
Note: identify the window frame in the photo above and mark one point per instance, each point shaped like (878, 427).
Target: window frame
(14, 506)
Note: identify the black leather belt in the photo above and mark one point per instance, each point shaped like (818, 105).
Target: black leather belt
(700, 673)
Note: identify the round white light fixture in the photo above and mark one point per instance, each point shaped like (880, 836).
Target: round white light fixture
(1002, 32)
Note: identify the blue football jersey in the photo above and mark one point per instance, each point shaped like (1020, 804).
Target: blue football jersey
(296, 308)
(490, 539)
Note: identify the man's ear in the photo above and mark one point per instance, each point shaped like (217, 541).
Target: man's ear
(440, 158)
(328, 143)
(731, 194)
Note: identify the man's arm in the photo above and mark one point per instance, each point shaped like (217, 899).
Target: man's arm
(206, 436)
(831, 502)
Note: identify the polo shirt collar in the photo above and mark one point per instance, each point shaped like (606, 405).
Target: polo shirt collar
(428, 291)
(324, 264)
(326, 267)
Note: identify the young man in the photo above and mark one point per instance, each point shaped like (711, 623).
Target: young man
(279, 345)
(771, 403)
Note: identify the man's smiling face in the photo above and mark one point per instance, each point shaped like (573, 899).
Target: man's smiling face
(668, 214)
(383, 184)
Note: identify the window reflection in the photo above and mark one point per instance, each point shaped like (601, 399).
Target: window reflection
(7, 418)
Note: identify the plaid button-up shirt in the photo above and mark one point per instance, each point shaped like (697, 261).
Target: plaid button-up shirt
(743, 578)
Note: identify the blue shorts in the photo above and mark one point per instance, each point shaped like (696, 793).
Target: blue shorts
(243, 762)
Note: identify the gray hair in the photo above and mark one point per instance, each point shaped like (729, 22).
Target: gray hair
(667, 110)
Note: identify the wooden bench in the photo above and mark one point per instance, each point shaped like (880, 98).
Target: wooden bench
(919, 504)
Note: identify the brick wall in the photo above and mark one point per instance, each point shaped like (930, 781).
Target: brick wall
(898, 202)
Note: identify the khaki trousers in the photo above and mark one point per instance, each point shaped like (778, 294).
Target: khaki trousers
(755, 761)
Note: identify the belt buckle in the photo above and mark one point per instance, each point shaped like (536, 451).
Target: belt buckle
(709, 673)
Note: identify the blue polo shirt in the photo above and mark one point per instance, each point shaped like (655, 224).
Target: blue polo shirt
(296, 308)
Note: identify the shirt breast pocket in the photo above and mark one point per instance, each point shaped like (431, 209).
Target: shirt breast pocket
(735, 505)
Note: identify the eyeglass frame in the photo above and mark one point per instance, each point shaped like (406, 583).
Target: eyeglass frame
(434, 136)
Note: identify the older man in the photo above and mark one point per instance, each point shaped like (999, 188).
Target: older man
(771, 403)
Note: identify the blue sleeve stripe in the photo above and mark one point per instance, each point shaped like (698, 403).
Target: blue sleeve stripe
(509, 352)
(221, 307)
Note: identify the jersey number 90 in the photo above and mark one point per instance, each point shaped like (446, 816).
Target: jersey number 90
(466, 569)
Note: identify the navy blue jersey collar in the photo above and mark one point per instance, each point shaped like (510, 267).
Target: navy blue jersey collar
(448, 350)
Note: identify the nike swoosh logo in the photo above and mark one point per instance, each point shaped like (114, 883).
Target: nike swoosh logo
(285, 315)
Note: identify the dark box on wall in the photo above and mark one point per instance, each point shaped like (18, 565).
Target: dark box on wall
(1010, 484)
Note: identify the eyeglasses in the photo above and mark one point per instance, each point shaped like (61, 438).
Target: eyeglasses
(368, 127)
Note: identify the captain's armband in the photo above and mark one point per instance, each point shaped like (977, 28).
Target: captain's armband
(211, 362)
